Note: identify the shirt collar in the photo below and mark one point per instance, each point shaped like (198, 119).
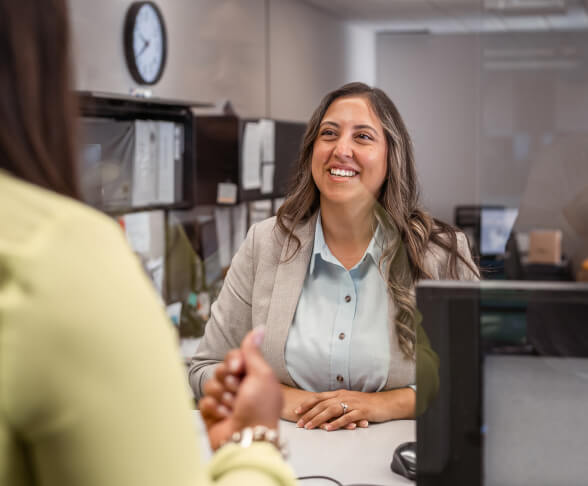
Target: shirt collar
(374, 249)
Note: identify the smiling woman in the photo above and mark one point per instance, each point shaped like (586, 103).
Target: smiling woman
(349, 155)
(332, 276)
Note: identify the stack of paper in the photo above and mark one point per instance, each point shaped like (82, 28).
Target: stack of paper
(258, 156)
(157, 147)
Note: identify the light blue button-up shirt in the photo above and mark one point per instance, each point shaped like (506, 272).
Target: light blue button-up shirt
(339, 337)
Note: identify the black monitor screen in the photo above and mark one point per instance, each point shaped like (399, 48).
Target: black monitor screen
(511, 405)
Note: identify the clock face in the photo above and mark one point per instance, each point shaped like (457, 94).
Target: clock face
(145, 42)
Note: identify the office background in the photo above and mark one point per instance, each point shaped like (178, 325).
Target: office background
(483, 94)
(496, 102)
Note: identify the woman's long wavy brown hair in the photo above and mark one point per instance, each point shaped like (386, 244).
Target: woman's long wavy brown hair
(407, 227)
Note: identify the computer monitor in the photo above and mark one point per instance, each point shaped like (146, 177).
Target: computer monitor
(495, 227)
(510, 410)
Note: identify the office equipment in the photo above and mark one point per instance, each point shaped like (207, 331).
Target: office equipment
(404, 460)
(137, 153)
(468, 218)
(488, 228)
(502, 413)
(495, 228)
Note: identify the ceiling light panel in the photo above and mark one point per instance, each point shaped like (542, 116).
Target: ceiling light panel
(526, 7)
(376, 10)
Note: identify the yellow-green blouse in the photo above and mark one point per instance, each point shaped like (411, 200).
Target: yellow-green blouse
(92, 390)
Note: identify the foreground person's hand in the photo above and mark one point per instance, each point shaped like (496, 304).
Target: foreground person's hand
(257, 399)
(223, 386)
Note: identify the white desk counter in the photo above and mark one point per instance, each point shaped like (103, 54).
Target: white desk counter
(350, 456)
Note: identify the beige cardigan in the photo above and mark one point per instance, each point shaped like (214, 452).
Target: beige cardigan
(259, 290)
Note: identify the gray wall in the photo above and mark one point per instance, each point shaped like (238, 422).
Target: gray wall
(312, 53)
(269, 57)
(433, 80)
(483, 110)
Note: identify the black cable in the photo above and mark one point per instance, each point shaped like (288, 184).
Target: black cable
(320, 477)
(338, 483)
(363, 484)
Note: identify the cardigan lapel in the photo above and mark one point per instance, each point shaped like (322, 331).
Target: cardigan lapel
(288, 284)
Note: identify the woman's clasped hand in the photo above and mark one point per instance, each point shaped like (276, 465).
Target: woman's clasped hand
(347, 409)
(335, 410)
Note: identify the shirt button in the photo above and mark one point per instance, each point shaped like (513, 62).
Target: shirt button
(339, 378)
(342, 336)
(348, 298)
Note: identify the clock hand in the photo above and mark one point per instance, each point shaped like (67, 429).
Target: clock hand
(145, 46)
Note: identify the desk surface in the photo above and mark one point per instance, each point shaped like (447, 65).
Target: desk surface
(535, 418)
(350, 456)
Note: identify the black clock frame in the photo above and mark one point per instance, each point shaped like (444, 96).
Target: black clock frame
(130, 19)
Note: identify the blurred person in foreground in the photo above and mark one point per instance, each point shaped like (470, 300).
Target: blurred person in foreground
(332, 276)
(80, 403)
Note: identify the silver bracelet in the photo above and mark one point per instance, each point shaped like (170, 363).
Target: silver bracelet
(259, 433)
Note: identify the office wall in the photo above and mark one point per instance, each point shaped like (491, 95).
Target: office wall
(221, 49)
(216, 50)
(310, 54)
(434, 82)
(484, 110)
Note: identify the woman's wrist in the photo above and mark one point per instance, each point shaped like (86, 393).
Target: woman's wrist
(258, 433)
(395, 404)
(293, 397)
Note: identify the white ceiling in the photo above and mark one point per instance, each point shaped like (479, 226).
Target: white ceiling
(450, 16)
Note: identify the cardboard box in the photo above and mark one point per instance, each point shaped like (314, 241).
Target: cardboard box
(545, 246)
(583, 273)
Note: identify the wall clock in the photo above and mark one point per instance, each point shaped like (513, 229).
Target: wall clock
(145, 42)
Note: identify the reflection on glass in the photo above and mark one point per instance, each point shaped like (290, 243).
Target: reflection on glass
(534, 138)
